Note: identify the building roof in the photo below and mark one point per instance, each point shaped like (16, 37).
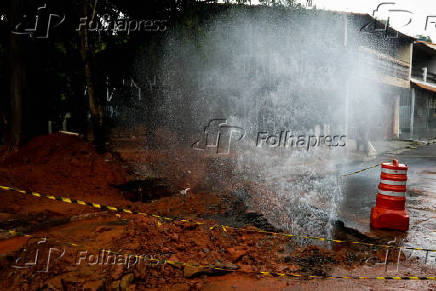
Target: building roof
(423, 85)
(426, 44)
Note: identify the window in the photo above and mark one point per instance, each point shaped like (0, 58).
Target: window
(432, 104)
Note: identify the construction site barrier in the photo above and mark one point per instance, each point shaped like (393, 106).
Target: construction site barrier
(360, 171)
(211, 227)
(269, 274)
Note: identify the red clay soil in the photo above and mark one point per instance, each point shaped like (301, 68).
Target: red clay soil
(86, 266)
(68, 166)
(60, 165)
(64, 165)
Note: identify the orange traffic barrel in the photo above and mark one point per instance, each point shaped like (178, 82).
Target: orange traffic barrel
(390, 209)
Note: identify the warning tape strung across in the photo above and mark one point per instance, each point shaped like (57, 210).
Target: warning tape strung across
(211, 267)
(15, 233)
(18, 233)
(360, 171)
(223, 227)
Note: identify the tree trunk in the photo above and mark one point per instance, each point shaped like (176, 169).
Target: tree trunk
(18, 78)
(95, 101)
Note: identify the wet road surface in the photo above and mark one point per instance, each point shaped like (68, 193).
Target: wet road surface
(360, 190)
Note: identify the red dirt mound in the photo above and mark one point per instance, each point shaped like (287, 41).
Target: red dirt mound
(64, 165)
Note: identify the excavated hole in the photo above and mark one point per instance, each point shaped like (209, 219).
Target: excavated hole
(146, 190)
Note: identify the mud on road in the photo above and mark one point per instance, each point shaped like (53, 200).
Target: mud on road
(68, 166)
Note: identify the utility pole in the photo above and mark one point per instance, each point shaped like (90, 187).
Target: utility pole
(346, 101)
(412, 113)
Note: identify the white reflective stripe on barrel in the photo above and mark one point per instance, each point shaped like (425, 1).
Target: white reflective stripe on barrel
(390, 164)
(390, 182)
(398, 172)
(392, 193)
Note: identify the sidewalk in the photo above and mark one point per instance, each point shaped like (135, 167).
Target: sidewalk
(380, 148)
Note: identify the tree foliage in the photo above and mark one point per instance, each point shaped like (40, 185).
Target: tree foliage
(80, 48)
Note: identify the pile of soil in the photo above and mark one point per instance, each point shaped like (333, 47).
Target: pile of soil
(243, 254)
(63, 165)
(189, 243)
(67, 157)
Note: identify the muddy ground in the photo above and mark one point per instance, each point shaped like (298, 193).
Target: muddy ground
(152, 181)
